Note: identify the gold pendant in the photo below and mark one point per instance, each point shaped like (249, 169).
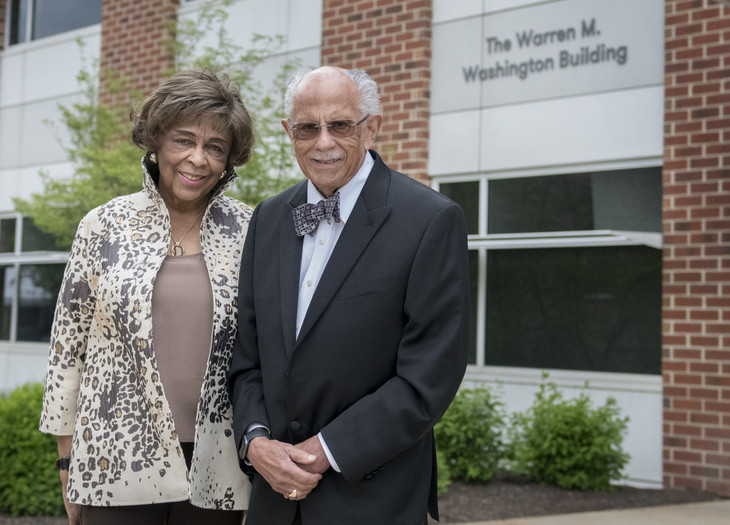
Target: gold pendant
(177, 250)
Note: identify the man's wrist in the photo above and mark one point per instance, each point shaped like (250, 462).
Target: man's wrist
(250, 436)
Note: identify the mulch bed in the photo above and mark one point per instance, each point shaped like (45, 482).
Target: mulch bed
(513, 497)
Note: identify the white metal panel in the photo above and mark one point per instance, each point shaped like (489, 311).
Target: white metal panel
(445, 10)
(41, 131)
(50, 69)
(11, 78)
(454, 143)
(304, 28)
(610, 126)
(10, 137)
(453, 44)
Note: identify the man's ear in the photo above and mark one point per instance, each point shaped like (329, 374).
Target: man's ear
(285, 124)
(372, 128)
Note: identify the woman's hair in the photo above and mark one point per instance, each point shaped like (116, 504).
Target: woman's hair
(366, 86)
(191, 96)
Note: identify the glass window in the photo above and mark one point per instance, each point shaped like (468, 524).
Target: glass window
(609, 200)
(37, 292)
(466, 194)
(474, 274)
(7, 285)
(50, 17)
(18, 21)
(7, 235)
(34, 239)
(595, 309)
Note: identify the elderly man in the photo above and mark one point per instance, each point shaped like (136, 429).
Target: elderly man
(353, 323)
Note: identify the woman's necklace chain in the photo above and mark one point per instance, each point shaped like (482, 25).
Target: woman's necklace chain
(176, 249)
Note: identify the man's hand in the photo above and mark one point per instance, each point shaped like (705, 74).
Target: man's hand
(283, 466)
(313, 446)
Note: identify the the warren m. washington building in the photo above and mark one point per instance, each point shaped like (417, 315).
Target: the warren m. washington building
(587, 141)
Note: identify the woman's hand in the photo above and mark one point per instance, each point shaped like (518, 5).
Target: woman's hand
(72, 509)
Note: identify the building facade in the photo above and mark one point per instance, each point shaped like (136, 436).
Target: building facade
(585, 140)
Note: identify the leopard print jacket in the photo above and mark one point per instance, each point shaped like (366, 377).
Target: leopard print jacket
(103, 385)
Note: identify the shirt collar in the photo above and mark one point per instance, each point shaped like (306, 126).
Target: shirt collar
(349, 192)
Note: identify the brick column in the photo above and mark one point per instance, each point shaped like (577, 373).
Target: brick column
(132, 44)
(391, 40)
(696, 295)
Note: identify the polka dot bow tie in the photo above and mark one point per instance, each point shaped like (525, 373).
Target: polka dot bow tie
(308, 216)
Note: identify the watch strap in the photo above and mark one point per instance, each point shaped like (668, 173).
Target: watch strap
(63, 463)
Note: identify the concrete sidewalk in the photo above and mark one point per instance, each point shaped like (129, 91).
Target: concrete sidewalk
(706, 513)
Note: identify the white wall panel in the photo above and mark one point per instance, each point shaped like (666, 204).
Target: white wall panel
(639, 397)
(611, 126)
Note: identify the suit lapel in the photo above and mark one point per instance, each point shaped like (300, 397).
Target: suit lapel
(368, 215)
(291, 256)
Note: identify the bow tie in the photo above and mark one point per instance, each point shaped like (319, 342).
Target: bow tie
(308, 216)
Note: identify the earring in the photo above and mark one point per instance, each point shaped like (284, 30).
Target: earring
(153, 158)
(224, 173)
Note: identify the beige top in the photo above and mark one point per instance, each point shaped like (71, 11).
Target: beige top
(182, 323)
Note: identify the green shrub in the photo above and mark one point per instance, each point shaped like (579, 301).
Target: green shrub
(469, 436)
(568, 443)
(29, 482)
(444, 475)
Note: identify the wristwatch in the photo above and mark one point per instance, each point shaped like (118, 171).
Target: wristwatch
(249, 436)
(63, 463)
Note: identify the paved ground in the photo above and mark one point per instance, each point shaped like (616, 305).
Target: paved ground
(709, 513)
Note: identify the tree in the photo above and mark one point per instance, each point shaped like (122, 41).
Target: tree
(106, 163)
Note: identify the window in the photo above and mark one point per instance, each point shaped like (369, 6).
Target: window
(34, 19)
(30, 277)
(566, 269)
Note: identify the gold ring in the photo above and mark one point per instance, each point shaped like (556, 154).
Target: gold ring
(292, 494)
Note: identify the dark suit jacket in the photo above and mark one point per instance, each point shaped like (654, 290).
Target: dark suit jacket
(380, 355)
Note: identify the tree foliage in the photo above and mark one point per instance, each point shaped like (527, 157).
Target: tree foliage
(105, 162)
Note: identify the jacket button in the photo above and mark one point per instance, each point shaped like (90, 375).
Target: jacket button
(295, 425)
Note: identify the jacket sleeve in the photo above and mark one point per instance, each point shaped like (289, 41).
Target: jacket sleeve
(72, 319)
(431, 357)
(244, 376)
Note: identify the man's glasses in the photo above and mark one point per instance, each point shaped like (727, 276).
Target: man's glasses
(337, 128)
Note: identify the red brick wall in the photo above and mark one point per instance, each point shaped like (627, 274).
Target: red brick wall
(696, 297)
(391, 40)
(3, 10)
(132, 44)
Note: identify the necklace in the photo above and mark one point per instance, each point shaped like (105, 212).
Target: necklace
(176, 249)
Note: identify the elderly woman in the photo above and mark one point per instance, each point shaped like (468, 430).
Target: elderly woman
(145, 322)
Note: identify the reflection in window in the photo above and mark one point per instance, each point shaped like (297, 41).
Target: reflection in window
(593, 309)
(7, 284)
(50, 17)
(38, 289)
(7, 235)
(34, 239)
(611, 200)
(466, 194)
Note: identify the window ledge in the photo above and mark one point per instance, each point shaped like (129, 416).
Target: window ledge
(572, 239)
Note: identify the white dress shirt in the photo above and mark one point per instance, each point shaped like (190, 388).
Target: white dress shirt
(317, 249)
